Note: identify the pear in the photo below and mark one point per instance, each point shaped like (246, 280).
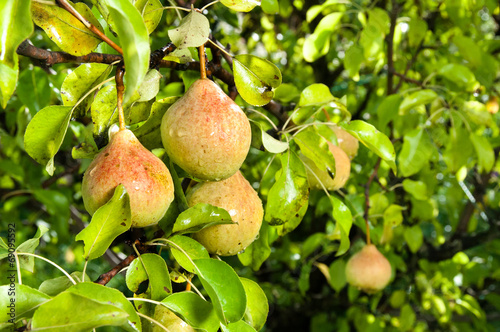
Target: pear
(368, 270)
(147, 180)
(342, 170)
(347, 142)
(170, 320)
(206, 133)
(238, 197)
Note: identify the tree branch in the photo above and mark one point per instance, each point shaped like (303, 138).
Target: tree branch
(390, 47)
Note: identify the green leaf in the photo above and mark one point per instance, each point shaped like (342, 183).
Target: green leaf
(22, 298)
(134, 39)
(150, 85)
(379, 18)
(273, 145)
(239, 326)
(417, 189)
(241, 5)
(477, 113)
(224, 288)
(257, 306)
(415, 99)
(316, 148)
(337, 275)
(352, 61)
(257, 252)
(255, 78)
(414, 238)
(109, 221)
(149, 133)
(197, 312)
(80, 82)
(15, 22)
(193, 31)
(317, 93)
(417, 29)
(407, 317)
(29, 246)
(305, 273)
(76, 313)
(373, 139)
(270, 6)
(416, 151)
(292, 223)
(200, 216)
(45, 133)
(343, 217)
(150, 267)
(33, 88)
(71, 35)
(317, 44)
(459, 149)
(312, 243)
(372, 41)
(484, 151)
(151, 11)
(459, 75)
(388, 110)
(290, 192)
(57, 285)
(191, 247)
(107, 295)
(393, 215)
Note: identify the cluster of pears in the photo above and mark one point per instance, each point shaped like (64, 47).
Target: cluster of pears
(207, 134)
(343, 153)
(368, 270)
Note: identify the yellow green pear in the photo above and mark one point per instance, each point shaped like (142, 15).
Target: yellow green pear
(237, 196)
(206, 133)
(147, 180)
(342, 170)
(368, 270)
(348, 143)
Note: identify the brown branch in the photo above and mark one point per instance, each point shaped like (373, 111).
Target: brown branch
(106, 277)
(407, 79)
(367, 199)
(390, 47)
(50, 58)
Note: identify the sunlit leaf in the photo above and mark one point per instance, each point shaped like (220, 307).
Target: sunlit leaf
(27, 300)
(151, 267)
(15, 22)
(193, 31)
(255, 78)
(76, 313)
(109, 221)
(241, 5)
(200, 216)
(257, 306)
(290, 192)
(71, 35)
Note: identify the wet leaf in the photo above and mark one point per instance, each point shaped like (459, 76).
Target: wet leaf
(193, 31)
(255, 78)
(71, 35)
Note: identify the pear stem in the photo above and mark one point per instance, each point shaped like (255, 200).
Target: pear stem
(119, 95)
(203, 69)
(368, 240)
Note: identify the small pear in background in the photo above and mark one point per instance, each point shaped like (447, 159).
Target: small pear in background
(237, 196)
(368, 270)
(342, 170)
(206, 133)
(348, 143)
(147, 180)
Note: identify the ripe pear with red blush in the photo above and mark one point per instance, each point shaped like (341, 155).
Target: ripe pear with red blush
(342, 170)
(368, 270)
(206, 133)
(241, 201)
(145, 177)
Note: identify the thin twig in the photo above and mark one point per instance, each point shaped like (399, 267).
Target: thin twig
(106, 277)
